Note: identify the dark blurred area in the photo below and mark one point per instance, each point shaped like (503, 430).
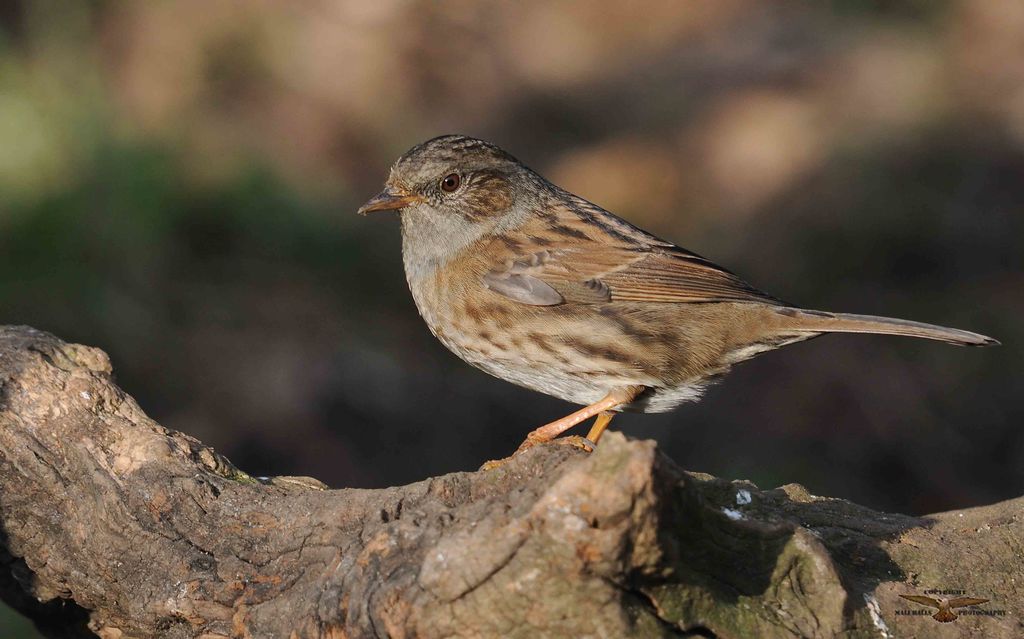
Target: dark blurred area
(178, 183)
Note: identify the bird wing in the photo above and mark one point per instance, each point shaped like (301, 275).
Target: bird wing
(921, 599)
(960, 602)
(587, 255)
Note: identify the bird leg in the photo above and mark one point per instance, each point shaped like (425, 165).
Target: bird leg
(612, 400)
(600, 424)
(602, 408)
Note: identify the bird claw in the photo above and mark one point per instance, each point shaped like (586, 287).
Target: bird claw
(494, 463)
(575, 441)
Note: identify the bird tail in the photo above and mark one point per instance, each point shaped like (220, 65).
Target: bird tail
(804, 321)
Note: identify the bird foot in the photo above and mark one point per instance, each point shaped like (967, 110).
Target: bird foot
(575, 441)
(494, 463)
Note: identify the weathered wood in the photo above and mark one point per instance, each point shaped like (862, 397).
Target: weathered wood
(116, 526)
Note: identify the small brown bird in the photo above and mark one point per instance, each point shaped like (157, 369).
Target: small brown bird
(945, 606)
(539, 287)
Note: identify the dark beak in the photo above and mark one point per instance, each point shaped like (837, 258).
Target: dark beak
(390, 199)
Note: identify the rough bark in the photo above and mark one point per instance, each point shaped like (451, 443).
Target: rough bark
(114, 526)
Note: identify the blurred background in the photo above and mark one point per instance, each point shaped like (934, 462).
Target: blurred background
(178, 182)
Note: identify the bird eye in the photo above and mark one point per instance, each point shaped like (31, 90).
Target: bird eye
(450, 182)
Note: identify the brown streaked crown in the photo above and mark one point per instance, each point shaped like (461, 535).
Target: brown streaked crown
(427, 163)
(486, 174)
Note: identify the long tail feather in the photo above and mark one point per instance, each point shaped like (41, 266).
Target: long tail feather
(820, 322)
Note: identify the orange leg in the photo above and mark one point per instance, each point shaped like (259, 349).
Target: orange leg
(546, 433)
(600, 424)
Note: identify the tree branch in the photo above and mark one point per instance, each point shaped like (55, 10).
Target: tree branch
(116, 526)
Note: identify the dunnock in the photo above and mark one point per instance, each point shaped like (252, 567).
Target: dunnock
(540, 287)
